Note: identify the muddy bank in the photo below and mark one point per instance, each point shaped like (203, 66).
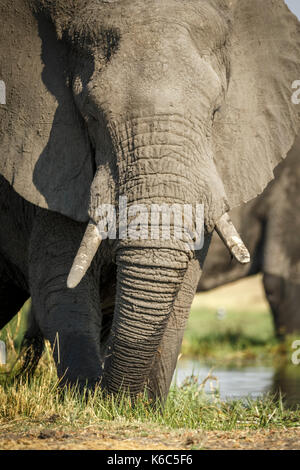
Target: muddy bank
(128, 439)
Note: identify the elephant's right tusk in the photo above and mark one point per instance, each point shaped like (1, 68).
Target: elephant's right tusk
(232, 240)
(88, 248)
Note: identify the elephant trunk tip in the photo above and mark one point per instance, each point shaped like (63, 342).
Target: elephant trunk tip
(88, 249)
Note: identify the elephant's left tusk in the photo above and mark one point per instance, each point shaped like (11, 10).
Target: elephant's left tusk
(232, 240)
(88, 248)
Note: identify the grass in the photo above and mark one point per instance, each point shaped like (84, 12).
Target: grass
(13, 333)
(234, 323)
(244, 333)
(42, 402)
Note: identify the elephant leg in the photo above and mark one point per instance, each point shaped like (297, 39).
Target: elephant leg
(167, 355)
(12, 296)
(69, 318)
(284, 298)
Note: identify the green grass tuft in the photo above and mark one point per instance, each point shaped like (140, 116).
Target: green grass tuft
(41, 401)
(241, 335)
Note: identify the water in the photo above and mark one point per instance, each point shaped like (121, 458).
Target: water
(240, 382)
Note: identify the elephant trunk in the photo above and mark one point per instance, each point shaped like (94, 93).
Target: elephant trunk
(148, 282)
(165, 159)
(155, 160)
(161, 161)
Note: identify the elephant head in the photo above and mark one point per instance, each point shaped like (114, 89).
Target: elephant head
(177, 102)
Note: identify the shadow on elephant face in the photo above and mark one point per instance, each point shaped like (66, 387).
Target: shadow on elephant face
(68, 140)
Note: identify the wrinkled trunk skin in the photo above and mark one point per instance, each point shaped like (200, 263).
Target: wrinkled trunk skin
(154, 167)
(146, 295)
(168, 352)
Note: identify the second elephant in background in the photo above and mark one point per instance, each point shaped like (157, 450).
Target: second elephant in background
(270, 226)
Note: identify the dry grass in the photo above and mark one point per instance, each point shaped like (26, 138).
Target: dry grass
(41, 401)
(39, 415)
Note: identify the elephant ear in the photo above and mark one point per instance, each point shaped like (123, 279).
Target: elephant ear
(257, 124)
(44, 148)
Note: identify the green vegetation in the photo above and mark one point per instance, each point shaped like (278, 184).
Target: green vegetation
(243, 334)
(234, 324)
(13, 333)
(239, 336)
(41, 402)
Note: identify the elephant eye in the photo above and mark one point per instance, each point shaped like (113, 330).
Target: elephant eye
(109, 40)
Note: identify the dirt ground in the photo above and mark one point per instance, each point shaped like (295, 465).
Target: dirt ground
(94, 438)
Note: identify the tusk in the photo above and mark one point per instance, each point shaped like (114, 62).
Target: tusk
(229, 235)
(88, 248)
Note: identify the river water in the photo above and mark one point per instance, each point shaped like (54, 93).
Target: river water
(241, 382)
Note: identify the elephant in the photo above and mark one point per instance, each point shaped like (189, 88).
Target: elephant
(269, 225)
(180, 102)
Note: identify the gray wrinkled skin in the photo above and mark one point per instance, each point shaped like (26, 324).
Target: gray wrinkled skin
(270, 227)
(180, 101)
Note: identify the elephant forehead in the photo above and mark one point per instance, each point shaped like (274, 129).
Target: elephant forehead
(205, 20)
